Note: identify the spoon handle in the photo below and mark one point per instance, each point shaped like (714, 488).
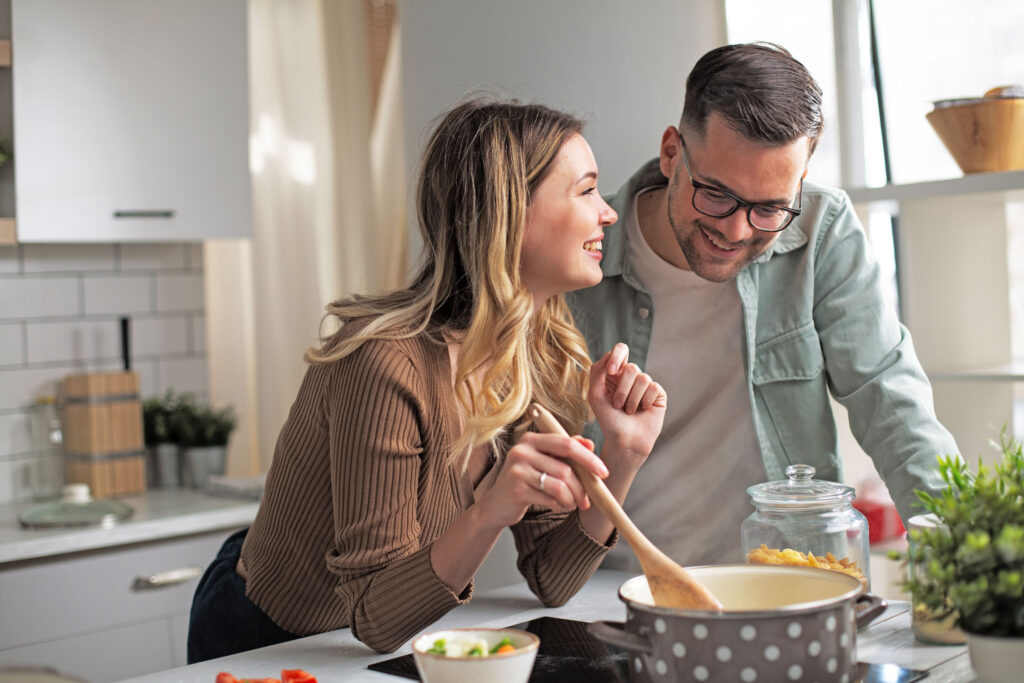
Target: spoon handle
(595, 488)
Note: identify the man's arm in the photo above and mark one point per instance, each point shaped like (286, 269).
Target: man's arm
(871, 365)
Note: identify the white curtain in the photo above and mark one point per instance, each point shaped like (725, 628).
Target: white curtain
(329, 198)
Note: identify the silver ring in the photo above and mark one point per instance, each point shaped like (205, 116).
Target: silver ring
(543, 476)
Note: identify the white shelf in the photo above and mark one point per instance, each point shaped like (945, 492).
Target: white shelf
(1008, 184)
(1006, 372)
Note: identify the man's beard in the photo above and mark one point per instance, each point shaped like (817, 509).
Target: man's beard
(687, 235)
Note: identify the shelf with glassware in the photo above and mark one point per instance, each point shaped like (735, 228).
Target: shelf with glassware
(960, 245)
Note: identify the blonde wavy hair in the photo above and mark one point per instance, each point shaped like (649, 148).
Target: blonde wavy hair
(483, 163)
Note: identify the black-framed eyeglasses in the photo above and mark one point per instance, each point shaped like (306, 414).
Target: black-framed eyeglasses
(717, 203)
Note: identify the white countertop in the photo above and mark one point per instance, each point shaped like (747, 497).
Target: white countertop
(338, 656)
(159, 514)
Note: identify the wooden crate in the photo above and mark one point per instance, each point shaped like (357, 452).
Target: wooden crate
(103, 439)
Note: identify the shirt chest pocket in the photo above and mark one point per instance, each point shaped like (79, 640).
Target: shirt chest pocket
(791, 401)
(795, 355)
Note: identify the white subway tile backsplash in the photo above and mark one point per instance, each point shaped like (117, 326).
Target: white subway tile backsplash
(156, 336)
(179, 292)
(149, 377)
(64, 258)
(12, 344)
(9, 262)
(154, 256)
(36, 297)
(15, 434)
(184, 375)
(22, 386)
(75, 341)
(199, 333)
(118, 294)
(59, 310)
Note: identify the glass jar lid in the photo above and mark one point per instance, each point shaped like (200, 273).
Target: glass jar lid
(800, 491)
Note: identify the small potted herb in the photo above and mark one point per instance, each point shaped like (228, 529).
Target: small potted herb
(163, 466)
(203, 433)
(971, 563)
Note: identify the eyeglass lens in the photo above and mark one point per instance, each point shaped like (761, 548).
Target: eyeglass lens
(761, 216)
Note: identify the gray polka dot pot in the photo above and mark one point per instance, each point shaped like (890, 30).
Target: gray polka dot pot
(780, 623)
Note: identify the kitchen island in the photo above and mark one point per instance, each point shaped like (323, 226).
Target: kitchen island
(338, 656)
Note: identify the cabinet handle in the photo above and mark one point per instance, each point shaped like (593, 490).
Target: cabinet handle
(159, 213)
(165, 579)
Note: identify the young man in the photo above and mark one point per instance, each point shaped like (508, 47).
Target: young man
(751, 294)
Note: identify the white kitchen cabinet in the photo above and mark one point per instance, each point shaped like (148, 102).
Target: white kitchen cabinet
(961, 265)
(131, 120)
(80, 614)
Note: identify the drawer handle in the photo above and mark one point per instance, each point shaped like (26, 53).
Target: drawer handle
(171, 577)
(157, 213)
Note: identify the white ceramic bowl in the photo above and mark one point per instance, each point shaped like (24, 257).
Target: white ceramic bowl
(512, 667)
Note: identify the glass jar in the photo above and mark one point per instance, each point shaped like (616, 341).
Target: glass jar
(807, 522)
(929, 627)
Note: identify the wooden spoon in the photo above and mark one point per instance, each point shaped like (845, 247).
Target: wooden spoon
(671, 585)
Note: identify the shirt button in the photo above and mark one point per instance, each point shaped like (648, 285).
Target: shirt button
(643, 313)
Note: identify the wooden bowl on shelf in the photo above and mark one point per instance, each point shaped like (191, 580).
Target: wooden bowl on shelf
(983, 134)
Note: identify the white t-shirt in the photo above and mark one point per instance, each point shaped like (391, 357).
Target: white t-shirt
(690, 496)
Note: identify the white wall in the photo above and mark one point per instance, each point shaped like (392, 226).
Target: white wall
(620, 65)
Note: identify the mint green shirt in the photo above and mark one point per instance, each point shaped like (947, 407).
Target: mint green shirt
(815, 322)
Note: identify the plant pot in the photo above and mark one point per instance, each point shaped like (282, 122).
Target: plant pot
(996, 659)
(163, 466)
(201, 463)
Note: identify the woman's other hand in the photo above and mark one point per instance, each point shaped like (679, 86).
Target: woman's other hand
(628, 404)
(536, 471)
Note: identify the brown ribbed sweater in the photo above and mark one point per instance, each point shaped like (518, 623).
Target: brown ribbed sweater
(359, 489)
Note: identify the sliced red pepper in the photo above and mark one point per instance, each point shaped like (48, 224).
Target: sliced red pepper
(225, 677)
(296, 676)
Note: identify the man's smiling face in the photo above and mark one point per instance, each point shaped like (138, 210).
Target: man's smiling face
(717, 249)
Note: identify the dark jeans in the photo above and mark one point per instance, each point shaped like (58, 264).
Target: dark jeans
(223, 621)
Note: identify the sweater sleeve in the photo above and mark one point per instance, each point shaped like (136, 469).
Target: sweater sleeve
(378, 423)
(556, 555)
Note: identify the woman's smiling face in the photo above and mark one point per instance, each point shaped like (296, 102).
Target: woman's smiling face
(565, 224)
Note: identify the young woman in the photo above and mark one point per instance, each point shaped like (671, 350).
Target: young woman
(405, 454)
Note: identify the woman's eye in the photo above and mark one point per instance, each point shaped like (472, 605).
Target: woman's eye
(590, 190)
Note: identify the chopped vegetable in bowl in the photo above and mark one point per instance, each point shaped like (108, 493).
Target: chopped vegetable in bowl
(470, 646)
(495, 655)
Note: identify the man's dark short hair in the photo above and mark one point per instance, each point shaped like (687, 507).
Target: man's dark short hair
(760, 90)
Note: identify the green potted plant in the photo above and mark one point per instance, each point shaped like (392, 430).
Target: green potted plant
(971, 563)
(163, 466)
(203, 433)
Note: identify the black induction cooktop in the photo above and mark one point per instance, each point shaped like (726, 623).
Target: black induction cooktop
(567, 654)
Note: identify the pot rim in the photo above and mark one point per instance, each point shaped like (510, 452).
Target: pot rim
(789, 610)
